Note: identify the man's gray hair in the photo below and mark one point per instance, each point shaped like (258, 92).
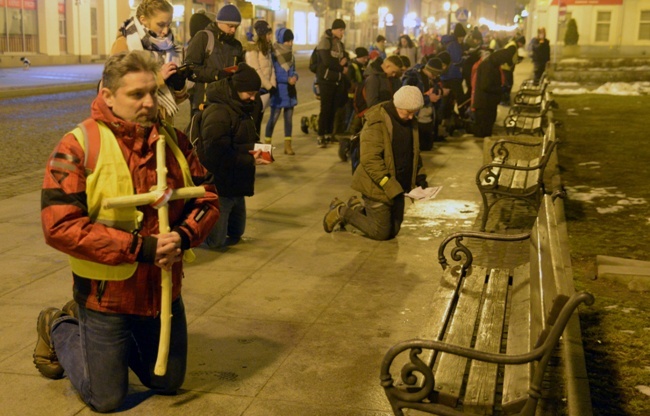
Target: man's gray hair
(117, 66)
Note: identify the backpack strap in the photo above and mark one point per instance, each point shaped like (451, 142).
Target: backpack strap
(92, 143)
(209, 47)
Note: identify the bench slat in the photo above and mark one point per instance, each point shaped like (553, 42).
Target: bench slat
(482, 381)
(519, 179)
(533, 175)
(517, 377)
(505, 179)
(451, 368)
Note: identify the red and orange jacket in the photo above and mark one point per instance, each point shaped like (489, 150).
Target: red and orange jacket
(68, 228)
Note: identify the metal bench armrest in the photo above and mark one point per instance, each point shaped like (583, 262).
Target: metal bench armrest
(461, 251)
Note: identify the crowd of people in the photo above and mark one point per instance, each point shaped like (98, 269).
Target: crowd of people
(396, 104)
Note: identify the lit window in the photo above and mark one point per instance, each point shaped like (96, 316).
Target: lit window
(300, 28)
(314, 32)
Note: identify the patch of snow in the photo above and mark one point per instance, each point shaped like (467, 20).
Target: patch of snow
(587, 108)
(632, 201)
(575, 61)
(609, 210)
(568, 91)
(588, 163)
(592, 193)
(611, 307)
(609, 88)
(643, 389)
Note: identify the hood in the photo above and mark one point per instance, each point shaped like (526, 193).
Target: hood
(374, 68)
(447, 39)
(279, 34)
(221, 92)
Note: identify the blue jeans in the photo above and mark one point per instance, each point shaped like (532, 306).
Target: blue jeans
(97, 351)
(231, 224)
(273, 118)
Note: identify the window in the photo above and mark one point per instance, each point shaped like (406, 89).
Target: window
(18, 26)
(603, 20)
(305, 28)
(644, 25)
(63, 44)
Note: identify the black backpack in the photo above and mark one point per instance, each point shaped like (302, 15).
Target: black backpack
(313, 61)
(193, 133)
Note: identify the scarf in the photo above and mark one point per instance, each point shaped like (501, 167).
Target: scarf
(283, 55)
(163, 49)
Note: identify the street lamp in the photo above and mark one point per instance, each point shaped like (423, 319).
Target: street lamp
(449, 8)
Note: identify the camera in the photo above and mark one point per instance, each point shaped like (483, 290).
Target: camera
(183, 73)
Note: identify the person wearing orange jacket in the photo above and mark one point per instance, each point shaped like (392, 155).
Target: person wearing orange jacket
(117, 254)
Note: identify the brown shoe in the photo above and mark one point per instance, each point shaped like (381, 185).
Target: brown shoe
(333, 216)
(71, 308)
(355, 203)
(44, 356)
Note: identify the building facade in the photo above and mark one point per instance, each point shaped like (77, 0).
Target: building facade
(605, 27)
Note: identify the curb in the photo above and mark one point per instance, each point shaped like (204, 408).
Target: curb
(44, 89)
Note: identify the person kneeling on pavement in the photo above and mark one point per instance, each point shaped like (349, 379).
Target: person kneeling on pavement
(390, 166)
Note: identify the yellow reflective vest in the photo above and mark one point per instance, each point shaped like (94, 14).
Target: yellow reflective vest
(108, 176)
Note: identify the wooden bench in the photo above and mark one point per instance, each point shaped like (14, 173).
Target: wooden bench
(529, 86)
(495, 330)
(531, 95)
(507, 177)
(531, 118)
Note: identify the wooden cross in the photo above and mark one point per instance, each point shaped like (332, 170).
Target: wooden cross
(158, 198)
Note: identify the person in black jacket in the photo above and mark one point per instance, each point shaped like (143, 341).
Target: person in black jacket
(227, 52)
(488, 90)
(228, 137)
(332, 69)
(541, 53)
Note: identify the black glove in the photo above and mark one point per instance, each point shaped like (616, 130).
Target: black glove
(175, 81)
(421, 180)
(223, 74)
(273, 91)
(293, 93)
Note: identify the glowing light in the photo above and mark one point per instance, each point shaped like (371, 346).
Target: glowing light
(431, 20)
(497, 28)
(179, 11)
(410, 20)
(360, 8)
(524, 13)
(390, 19)
(446, 6)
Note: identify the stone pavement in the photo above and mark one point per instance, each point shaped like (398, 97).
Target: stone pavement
(292, 321)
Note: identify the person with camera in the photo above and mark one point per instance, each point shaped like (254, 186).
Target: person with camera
(149, 30)
(214, 53)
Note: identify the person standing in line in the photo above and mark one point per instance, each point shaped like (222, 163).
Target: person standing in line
(379, 46)
(508, 68)
(332, 67)
(116, 255)
(390, 166)
(258, 57)
(210, 66)
(407, 48)
(426, 78)
(228, 139)
(150, 30)
(382, 80)
(541, 51)
(488, 90)
(356, 69)
(286, 96)
(453, 77)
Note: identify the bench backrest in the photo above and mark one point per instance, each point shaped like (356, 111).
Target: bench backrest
(548, 279)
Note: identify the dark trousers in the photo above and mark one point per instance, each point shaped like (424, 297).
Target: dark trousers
(425, 131)
(330, 99)
(509, 78)
(379, 221)
(455, 96)
(485, 118)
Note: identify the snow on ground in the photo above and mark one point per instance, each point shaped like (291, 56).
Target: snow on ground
(609, 88)
(589, 195)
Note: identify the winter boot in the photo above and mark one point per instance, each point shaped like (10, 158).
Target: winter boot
(44, 355)
(287, 147)
(304, 124)
(333, 216)
(267, 140)
(322, 142)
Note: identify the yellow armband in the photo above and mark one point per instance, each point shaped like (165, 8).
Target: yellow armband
(383, 181)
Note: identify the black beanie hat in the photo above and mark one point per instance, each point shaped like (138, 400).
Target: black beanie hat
(380, 38)
(444, 57)
(434, 65)
(262, 28)
(361, 52)
(288, 35)
(459, 31)
(246, 79)
(338, 24)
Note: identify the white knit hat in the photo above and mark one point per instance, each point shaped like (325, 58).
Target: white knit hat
(408, 98)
